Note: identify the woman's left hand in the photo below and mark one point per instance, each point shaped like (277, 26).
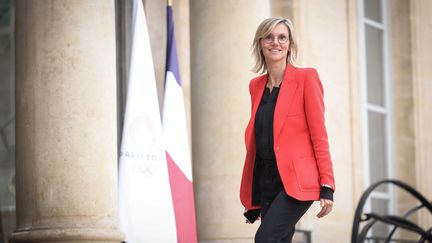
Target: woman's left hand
(326, 207)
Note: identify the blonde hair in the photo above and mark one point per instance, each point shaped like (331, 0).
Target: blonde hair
(264, 29)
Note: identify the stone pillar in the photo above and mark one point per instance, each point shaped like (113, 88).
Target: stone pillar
(66, 144)
(282, 8)
(402, 76)
(221, 35)
(421, 34)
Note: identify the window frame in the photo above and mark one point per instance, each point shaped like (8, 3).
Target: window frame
(387, 109)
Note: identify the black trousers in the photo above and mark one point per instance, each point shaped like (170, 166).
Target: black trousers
(279, 217)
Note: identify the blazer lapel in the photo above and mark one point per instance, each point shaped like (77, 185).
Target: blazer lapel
(285, 98)
(256, 94)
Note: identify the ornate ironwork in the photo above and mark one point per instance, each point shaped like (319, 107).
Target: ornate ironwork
(360, 236)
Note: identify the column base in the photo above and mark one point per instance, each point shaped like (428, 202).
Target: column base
(63, 235)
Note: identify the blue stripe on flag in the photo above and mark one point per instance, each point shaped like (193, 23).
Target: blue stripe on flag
(172, 60)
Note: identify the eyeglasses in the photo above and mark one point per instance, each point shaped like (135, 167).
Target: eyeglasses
(282, 39)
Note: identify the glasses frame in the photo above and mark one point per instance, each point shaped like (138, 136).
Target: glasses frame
(272, 39)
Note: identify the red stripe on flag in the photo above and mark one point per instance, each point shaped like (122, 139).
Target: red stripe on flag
(183, 200)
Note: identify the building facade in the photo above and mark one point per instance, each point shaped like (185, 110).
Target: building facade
(63, 67)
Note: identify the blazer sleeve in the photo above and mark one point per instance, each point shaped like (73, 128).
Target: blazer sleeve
(314, 110)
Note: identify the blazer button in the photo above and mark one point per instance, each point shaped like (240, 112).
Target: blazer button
(277, 149)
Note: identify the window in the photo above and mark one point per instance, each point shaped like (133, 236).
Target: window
(376, 104)
(7, 121)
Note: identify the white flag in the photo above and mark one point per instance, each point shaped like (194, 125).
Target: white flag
(145, 204)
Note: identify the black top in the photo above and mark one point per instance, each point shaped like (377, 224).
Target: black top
(269, 181)
(264, 124)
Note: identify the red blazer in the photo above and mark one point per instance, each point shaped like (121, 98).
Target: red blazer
(300, 137)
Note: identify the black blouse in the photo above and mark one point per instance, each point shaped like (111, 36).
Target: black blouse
(264, 124)
(268, 181)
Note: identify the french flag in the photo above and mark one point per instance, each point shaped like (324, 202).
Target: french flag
(177, 143)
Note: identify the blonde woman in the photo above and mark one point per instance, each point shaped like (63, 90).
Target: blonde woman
(288, 164)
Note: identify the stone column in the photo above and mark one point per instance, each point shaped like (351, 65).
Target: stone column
(66, 144)
(221, 35)
(421, 34)
(402, 77)
(283, 8)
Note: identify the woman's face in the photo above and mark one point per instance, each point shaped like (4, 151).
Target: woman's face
(275, 45)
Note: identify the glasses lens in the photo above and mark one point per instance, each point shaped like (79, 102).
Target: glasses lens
(282, 39)
(268, 39)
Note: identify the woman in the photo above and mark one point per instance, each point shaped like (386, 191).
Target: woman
(288, 164)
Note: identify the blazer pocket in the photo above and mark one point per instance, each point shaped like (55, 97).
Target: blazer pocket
(307, 174)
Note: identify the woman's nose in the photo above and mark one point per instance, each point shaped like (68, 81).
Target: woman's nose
(275, 42)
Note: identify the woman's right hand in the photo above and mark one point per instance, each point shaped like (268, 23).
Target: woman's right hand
(247, 220)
